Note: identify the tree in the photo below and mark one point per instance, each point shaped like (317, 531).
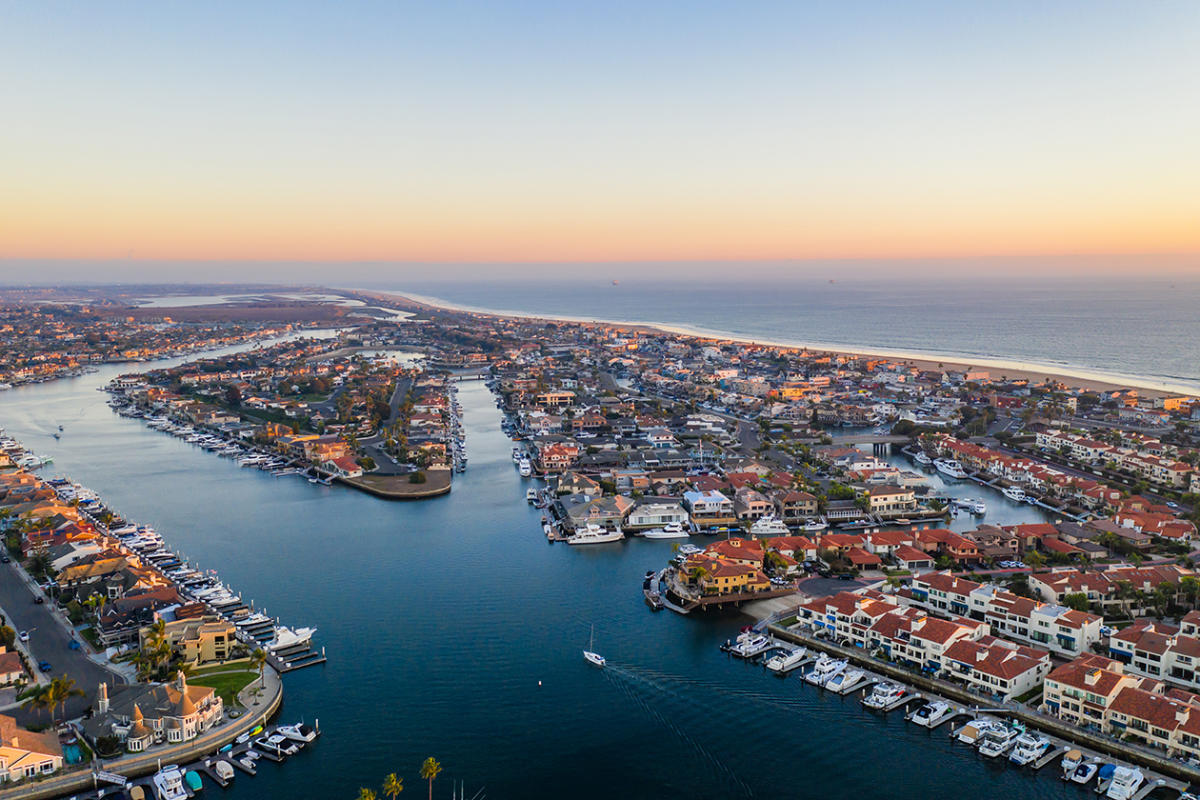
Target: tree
(393, 785)
(8, 637)
(430, 769)
(1076, 600)
(59, 692)
(36, 699)
(258, 660)
(366, 794)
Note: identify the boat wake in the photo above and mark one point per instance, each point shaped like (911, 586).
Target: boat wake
(638, 689)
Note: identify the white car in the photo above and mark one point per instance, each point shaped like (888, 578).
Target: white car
(23, 636)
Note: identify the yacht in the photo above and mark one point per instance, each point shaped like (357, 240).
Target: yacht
(531, 495)
(845, 681)
(949, 467)
(994, 744)
(1029, 748)
(814, 524)
(286, 637)
(1084, 772)
(1069, 762)
(884, 694)
(1125, 783)
(825, 668)
(769, 526)
(749, 644)
(672, 530)
(168, 783)
(970, 504)
(783, 663)
(1014, 493)
(973, 732)
(595, 534)
(590, 655)
(689, 549)
(930, 714)
(297, 733)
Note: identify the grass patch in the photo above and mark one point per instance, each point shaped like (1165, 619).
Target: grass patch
(89, 634)
(227, 681)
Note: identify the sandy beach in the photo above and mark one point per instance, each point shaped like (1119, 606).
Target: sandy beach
(998, 368)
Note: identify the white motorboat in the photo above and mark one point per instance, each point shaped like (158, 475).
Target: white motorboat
(923, 458)
(1069, 762)
(884, 694)
(769, 526)
(531, 495)
(1029, 748)
(976, 729)
(690, 549)
(672, 530)
(1125, 783)
(595, 534)
(525, 468)
(590, 655)
(814, 524)
(845, 681)
(1083, 773)
(994, 744)
(286, 638)
(168, 783)
(949, 467)
(223, 769)
(297, 733)
(1014, 493)
(782, 663)
(825, 668)
(970, 504)
(931, 714)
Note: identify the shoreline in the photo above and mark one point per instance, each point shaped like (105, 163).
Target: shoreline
(1083, 378)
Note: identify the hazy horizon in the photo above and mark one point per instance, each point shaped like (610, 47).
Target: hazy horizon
(575, 134)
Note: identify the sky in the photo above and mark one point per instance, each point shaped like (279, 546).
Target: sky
(167, 136)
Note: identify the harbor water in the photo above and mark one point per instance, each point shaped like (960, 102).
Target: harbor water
(454, 630)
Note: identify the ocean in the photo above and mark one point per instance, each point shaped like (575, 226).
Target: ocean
(1139, 331)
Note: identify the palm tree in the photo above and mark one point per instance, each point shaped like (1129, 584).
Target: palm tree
(430, 769)
(37, 699)
(366, 794)
(59, 692)
(393, 785)
(258, 660)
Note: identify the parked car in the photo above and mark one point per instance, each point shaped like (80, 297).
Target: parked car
(39, 599)
(45, 666)
(5, 560)
(23, 636)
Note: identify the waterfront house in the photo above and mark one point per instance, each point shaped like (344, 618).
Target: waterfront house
(1082, 690)
(11, 668)
(793, 506)
(890, 501)
(142, 715)
(995, 667)
(198, 641)
(25, 754)
(750, 504)
(655, 512)
(709, 508)
(580, 510)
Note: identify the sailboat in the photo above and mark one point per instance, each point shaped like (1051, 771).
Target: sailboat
(591, 655)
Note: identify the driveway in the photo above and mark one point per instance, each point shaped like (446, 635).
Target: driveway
(49, 641)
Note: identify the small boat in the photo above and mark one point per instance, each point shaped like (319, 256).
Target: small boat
(223, 769)
(1104, 777)
(1125, 783)
(192, 779)
(531, 495)
(595, 534)
(297, 733)
(1014, 493)
(782, 663)
(923, 458)
(974, 731)
(1084, 772)
(1070, 761)
(749, 644)
(590, 655)
(931, 714)
(845, 680)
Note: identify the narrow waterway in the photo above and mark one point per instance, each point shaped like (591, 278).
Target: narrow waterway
(454, 630)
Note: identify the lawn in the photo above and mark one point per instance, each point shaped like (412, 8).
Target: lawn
(227, 681)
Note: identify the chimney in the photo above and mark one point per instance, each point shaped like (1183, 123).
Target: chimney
(1092, 677)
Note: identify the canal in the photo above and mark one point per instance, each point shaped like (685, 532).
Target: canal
(453, 629)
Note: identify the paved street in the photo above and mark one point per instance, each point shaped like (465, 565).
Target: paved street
(48, 641)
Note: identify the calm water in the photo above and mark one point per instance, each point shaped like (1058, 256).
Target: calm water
(1145, 328)
(453, 629)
